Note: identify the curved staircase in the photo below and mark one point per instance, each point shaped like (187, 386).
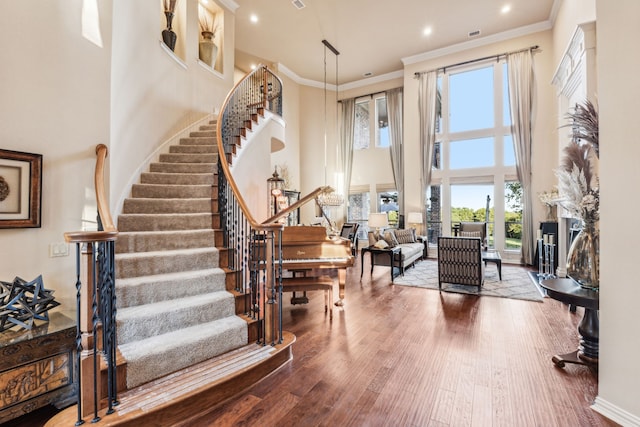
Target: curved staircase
(183, 345)
(173, 307)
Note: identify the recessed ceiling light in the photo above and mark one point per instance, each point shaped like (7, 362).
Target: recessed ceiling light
(253, 66)
(427, 31)
(253, 18)
(505, 9)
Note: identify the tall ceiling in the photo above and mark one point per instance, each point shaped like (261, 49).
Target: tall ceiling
(371, 36)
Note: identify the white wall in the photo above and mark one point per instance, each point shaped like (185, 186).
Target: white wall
(618, 93)
(54, 86)
(62, 94)
(154, 93)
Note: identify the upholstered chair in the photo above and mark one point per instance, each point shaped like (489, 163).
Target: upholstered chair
(460, 261)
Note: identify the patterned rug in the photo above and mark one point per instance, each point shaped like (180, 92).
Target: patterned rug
(516, 282)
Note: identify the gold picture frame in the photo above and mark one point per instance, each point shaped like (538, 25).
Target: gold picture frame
(20, 189)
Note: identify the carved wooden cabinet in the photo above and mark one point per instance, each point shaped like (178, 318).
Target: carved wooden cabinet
(36, 367)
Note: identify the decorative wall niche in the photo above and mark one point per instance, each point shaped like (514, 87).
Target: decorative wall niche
(211, 34)
(173, 26)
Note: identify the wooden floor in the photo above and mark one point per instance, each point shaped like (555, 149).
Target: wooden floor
(401, 356)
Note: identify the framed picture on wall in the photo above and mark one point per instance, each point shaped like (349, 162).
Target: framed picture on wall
(20, 189)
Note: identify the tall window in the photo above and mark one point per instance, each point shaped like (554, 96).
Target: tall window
(371, 130)
(474, 172)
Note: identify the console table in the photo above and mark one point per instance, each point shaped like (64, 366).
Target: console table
(394, 254)
(36, 366)
(569, 291)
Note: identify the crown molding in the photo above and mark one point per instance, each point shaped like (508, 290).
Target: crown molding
(483, 41)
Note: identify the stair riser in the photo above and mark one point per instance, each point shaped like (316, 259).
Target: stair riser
(193, 149)
(198, 141)
(164, 288)
(177, 178)
(188, 158)
(171, 191)
(183, 167)
(200, 134)
(219, 341)
(146, 242)
(160, 222)
(151, 265)
(168, 321)
(166, 206)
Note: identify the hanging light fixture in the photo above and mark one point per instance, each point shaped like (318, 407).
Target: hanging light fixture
(329, 198)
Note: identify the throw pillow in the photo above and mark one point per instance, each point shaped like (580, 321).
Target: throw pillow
(390, 238)
(406, 236)
(471, 234)
(381, 244)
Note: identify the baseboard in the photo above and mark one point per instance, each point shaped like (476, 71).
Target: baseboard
(615, 413)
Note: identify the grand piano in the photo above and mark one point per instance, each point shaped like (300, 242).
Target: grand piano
(311, 260)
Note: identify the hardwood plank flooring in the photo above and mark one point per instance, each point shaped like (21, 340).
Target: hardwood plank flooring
(402, 356)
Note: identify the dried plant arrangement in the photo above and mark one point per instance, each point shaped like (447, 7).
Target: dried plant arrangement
(584, 125)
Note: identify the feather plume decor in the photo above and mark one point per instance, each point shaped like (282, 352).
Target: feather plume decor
(584, 124)
(578, 183)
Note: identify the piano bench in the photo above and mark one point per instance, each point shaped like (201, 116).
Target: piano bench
(311, 283)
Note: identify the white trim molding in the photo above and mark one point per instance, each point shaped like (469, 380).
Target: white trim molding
(615, 413)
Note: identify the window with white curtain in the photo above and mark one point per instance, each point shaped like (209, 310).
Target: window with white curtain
(372, 123)
(474, 155)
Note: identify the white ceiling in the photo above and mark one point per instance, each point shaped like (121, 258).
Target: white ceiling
(371, 36)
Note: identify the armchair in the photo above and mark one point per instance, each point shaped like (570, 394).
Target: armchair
(350, 231)
(460, 261)
(471, 229)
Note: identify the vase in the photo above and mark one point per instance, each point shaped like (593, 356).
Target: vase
(168, 36)
(551, 213)
(208, 51)
(583, 260)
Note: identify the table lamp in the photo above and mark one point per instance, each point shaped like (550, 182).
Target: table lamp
(378, 221)
(415, 219)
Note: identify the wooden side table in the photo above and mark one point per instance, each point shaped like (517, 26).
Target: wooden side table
(36, 367)
(569, 291)
(394, 254)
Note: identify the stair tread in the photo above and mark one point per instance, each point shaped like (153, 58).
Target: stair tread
(132, 281)
(170, 253)
(152, 309)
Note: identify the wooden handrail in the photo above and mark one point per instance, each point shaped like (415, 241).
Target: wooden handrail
(103, 206)
(227, 171)
(110, 232)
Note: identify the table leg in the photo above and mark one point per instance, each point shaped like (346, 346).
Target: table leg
(587, 352)
(362, 262)
(342, 280)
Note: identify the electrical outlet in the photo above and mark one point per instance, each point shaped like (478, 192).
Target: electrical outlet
(58, 250)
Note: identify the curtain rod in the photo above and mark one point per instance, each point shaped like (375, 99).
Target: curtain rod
(372, 93)
(459, 64)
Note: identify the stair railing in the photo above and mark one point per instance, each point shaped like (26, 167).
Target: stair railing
(96, 306)
(254, 249)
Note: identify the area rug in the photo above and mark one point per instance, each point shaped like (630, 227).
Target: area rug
(515, 282)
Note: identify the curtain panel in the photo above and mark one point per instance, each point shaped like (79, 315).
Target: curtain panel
(395, 114)
(427, 109)
(521, 84)
(345, 150)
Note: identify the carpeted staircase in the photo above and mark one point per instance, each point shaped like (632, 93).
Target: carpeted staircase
(173, 308)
